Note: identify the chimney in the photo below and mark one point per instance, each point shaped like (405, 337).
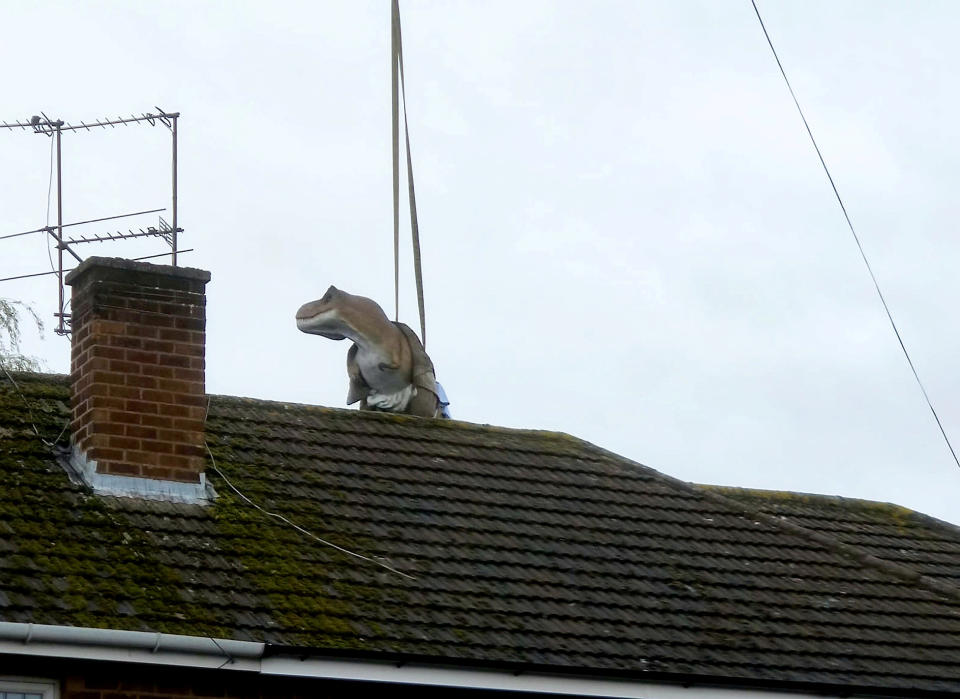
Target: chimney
(137, 370)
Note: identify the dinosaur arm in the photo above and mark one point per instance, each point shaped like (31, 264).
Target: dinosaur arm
(392, 402)
(358, 387)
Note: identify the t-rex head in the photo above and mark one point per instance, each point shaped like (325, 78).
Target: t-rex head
(339, 315)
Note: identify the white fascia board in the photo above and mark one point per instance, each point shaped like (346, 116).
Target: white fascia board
(503, 681)
(110, 645)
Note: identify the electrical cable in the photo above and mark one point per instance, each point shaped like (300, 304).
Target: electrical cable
(300, 529)
(229, 658)
(856, 238)
(213, 464)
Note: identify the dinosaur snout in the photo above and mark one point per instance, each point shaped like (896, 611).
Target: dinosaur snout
(306, 311)
(320, 317)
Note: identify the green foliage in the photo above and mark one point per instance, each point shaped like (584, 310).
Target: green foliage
(10, 317)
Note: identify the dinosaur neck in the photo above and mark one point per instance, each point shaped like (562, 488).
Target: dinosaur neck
(383, 359)
(385, 346)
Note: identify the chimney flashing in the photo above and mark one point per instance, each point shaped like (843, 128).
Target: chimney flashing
(85, 472)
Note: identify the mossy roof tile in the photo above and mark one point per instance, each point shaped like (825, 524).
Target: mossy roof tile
(526, 547)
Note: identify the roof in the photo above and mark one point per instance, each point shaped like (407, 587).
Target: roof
(530, 548)
(924, 544)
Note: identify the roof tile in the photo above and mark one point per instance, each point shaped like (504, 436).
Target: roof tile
(526, 547)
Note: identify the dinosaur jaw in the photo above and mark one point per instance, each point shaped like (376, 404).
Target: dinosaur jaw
(326, 322)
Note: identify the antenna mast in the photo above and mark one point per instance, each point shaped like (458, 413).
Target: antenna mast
(54, 128)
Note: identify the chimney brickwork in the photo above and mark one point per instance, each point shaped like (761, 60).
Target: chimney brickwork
(137, 368)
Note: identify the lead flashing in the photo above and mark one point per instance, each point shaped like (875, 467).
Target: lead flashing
(84, 470)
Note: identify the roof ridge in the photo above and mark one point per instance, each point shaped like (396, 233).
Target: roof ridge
(897, 570)
(836, 500)
(348, 413)
(819, 496)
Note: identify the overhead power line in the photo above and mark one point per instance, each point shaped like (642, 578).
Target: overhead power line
(856, 238)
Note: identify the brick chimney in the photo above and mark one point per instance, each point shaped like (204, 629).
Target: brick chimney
(137, 371)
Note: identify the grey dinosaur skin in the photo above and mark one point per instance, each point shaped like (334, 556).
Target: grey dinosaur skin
(387, 366)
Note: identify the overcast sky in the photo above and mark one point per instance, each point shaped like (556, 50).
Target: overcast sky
(626, 233)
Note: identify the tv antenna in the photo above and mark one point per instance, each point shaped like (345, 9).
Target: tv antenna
(169, 232)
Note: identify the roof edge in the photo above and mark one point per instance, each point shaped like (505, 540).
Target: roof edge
(33, 639)
(572, 680)
(344, 412)
(832, 499)
(354, 413)
(148, 648)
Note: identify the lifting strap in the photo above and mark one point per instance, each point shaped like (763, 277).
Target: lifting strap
(400, 93)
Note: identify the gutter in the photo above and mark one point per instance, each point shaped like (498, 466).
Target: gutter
(148, 648)
(82, 643)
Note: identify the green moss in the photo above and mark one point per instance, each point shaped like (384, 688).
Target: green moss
(290, 574)
(74, 553)
(98, 564)
(785, 502)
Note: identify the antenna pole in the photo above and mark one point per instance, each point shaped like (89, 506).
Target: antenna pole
(61, 329)
(173, 245)
(42, 124)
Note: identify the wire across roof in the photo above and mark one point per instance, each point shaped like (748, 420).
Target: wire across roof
(526, 547)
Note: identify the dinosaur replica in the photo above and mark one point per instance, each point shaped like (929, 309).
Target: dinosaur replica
(388, 368)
